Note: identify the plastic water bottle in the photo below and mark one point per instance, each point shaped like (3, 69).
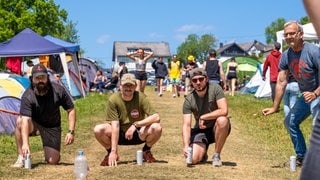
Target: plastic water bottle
(81, 166)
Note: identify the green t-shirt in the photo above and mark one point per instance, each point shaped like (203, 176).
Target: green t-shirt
(128, 112)
(198, 106)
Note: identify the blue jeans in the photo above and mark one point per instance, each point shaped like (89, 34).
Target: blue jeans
(297, 114)
(290, 97)
(100, 86)
(214, 82)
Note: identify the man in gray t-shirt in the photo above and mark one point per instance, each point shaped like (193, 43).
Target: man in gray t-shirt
(301, 60)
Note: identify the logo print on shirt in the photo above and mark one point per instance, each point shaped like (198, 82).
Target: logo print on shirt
(134, 113)
(299, 69)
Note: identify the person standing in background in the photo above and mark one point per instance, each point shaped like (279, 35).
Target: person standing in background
(29, 68)
(214, 70)
(161, 71)
(175, 75)
(272, 62)
(122, 69)
(232, 75)
(140, 57)
(191, 64)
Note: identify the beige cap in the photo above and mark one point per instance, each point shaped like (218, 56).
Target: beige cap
(128, 78)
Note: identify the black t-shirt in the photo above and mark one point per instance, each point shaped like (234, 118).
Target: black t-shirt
(45, 110)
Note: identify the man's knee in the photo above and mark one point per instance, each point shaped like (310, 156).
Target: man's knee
(156, 127)
(223, 121)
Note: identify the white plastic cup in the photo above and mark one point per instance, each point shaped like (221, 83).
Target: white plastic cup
(139, 157)
(293, 163)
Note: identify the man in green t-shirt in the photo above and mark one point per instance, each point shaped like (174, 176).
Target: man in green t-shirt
(132, 121)
(207, 104)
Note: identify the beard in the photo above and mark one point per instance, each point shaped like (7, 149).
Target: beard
(200, 88)
(41, 88)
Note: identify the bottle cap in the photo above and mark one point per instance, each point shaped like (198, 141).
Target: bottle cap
(80, 152)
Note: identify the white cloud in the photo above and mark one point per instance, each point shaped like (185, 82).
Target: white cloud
(194, 28)
(155, 35)
(103, 39)
(180, 37)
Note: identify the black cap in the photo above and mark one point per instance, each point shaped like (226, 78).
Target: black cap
(38, 70)
(197, 72)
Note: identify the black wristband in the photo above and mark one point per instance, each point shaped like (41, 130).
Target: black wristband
(71, 132)
(134, 124)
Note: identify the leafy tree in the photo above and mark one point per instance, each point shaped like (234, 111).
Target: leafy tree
(196, 46)
(277, 25)
(42, 16)
(271, 30)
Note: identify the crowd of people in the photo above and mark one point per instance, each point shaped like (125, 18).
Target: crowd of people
(133, 119)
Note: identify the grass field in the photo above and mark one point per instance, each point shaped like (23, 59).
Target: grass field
(256, 148)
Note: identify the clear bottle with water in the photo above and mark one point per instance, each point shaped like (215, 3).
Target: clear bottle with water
(81, 166)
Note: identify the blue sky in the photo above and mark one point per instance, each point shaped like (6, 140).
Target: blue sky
(101, 22)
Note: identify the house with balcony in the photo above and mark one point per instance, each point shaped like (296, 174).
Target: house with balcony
(121, 48)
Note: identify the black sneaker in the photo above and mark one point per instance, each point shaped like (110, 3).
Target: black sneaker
(299, 161)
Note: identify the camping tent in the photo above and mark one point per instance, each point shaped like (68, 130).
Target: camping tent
(76, 83)
(260, 88)
(9, 111)
(89, 67)
(246, 66)
(29, 43)
(309, 33)
(13, 85)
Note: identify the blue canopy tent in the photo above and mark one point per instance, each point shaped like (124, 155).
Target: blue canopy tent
(70, 46)
(29, 43)
(75, 72)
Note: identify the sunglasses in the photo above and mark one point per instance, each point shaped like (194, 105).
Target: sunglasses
(195, 80)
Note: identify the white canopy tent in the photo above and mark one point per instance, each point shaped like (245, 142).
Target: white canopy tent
(309, 33)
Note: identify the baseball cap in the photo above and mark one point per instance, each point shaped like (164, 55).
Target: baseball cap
(197, 71)
(277, 45)
(38, 70)
(128, 78)
(190, 58)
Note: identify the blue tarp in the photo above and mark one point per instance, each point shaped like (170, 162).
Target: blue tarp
(29, 43)
(69, 46)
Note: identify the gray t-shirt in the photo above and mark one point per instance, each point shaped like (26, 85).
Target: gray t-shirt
(197, 106)
(303, 65)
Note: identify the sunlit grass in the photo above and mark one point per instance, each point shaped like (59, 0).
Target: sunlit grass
(255, 139)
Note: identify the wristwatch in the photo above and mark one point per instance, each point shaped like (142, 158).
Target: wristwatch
(71, 132)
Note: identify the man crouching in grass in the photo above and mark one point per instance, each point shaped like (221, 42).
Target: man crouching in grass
(133, 121)
(209, 107)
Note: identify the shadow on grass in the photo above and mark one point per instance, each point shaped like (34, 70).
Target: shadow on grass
(225, 163)
(45, 163)
(135, 162)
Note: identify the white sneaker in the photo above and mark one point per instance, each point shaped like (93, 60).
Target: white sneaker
(19, 163)
(174, 95)
(159, 94)
(216, 161)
